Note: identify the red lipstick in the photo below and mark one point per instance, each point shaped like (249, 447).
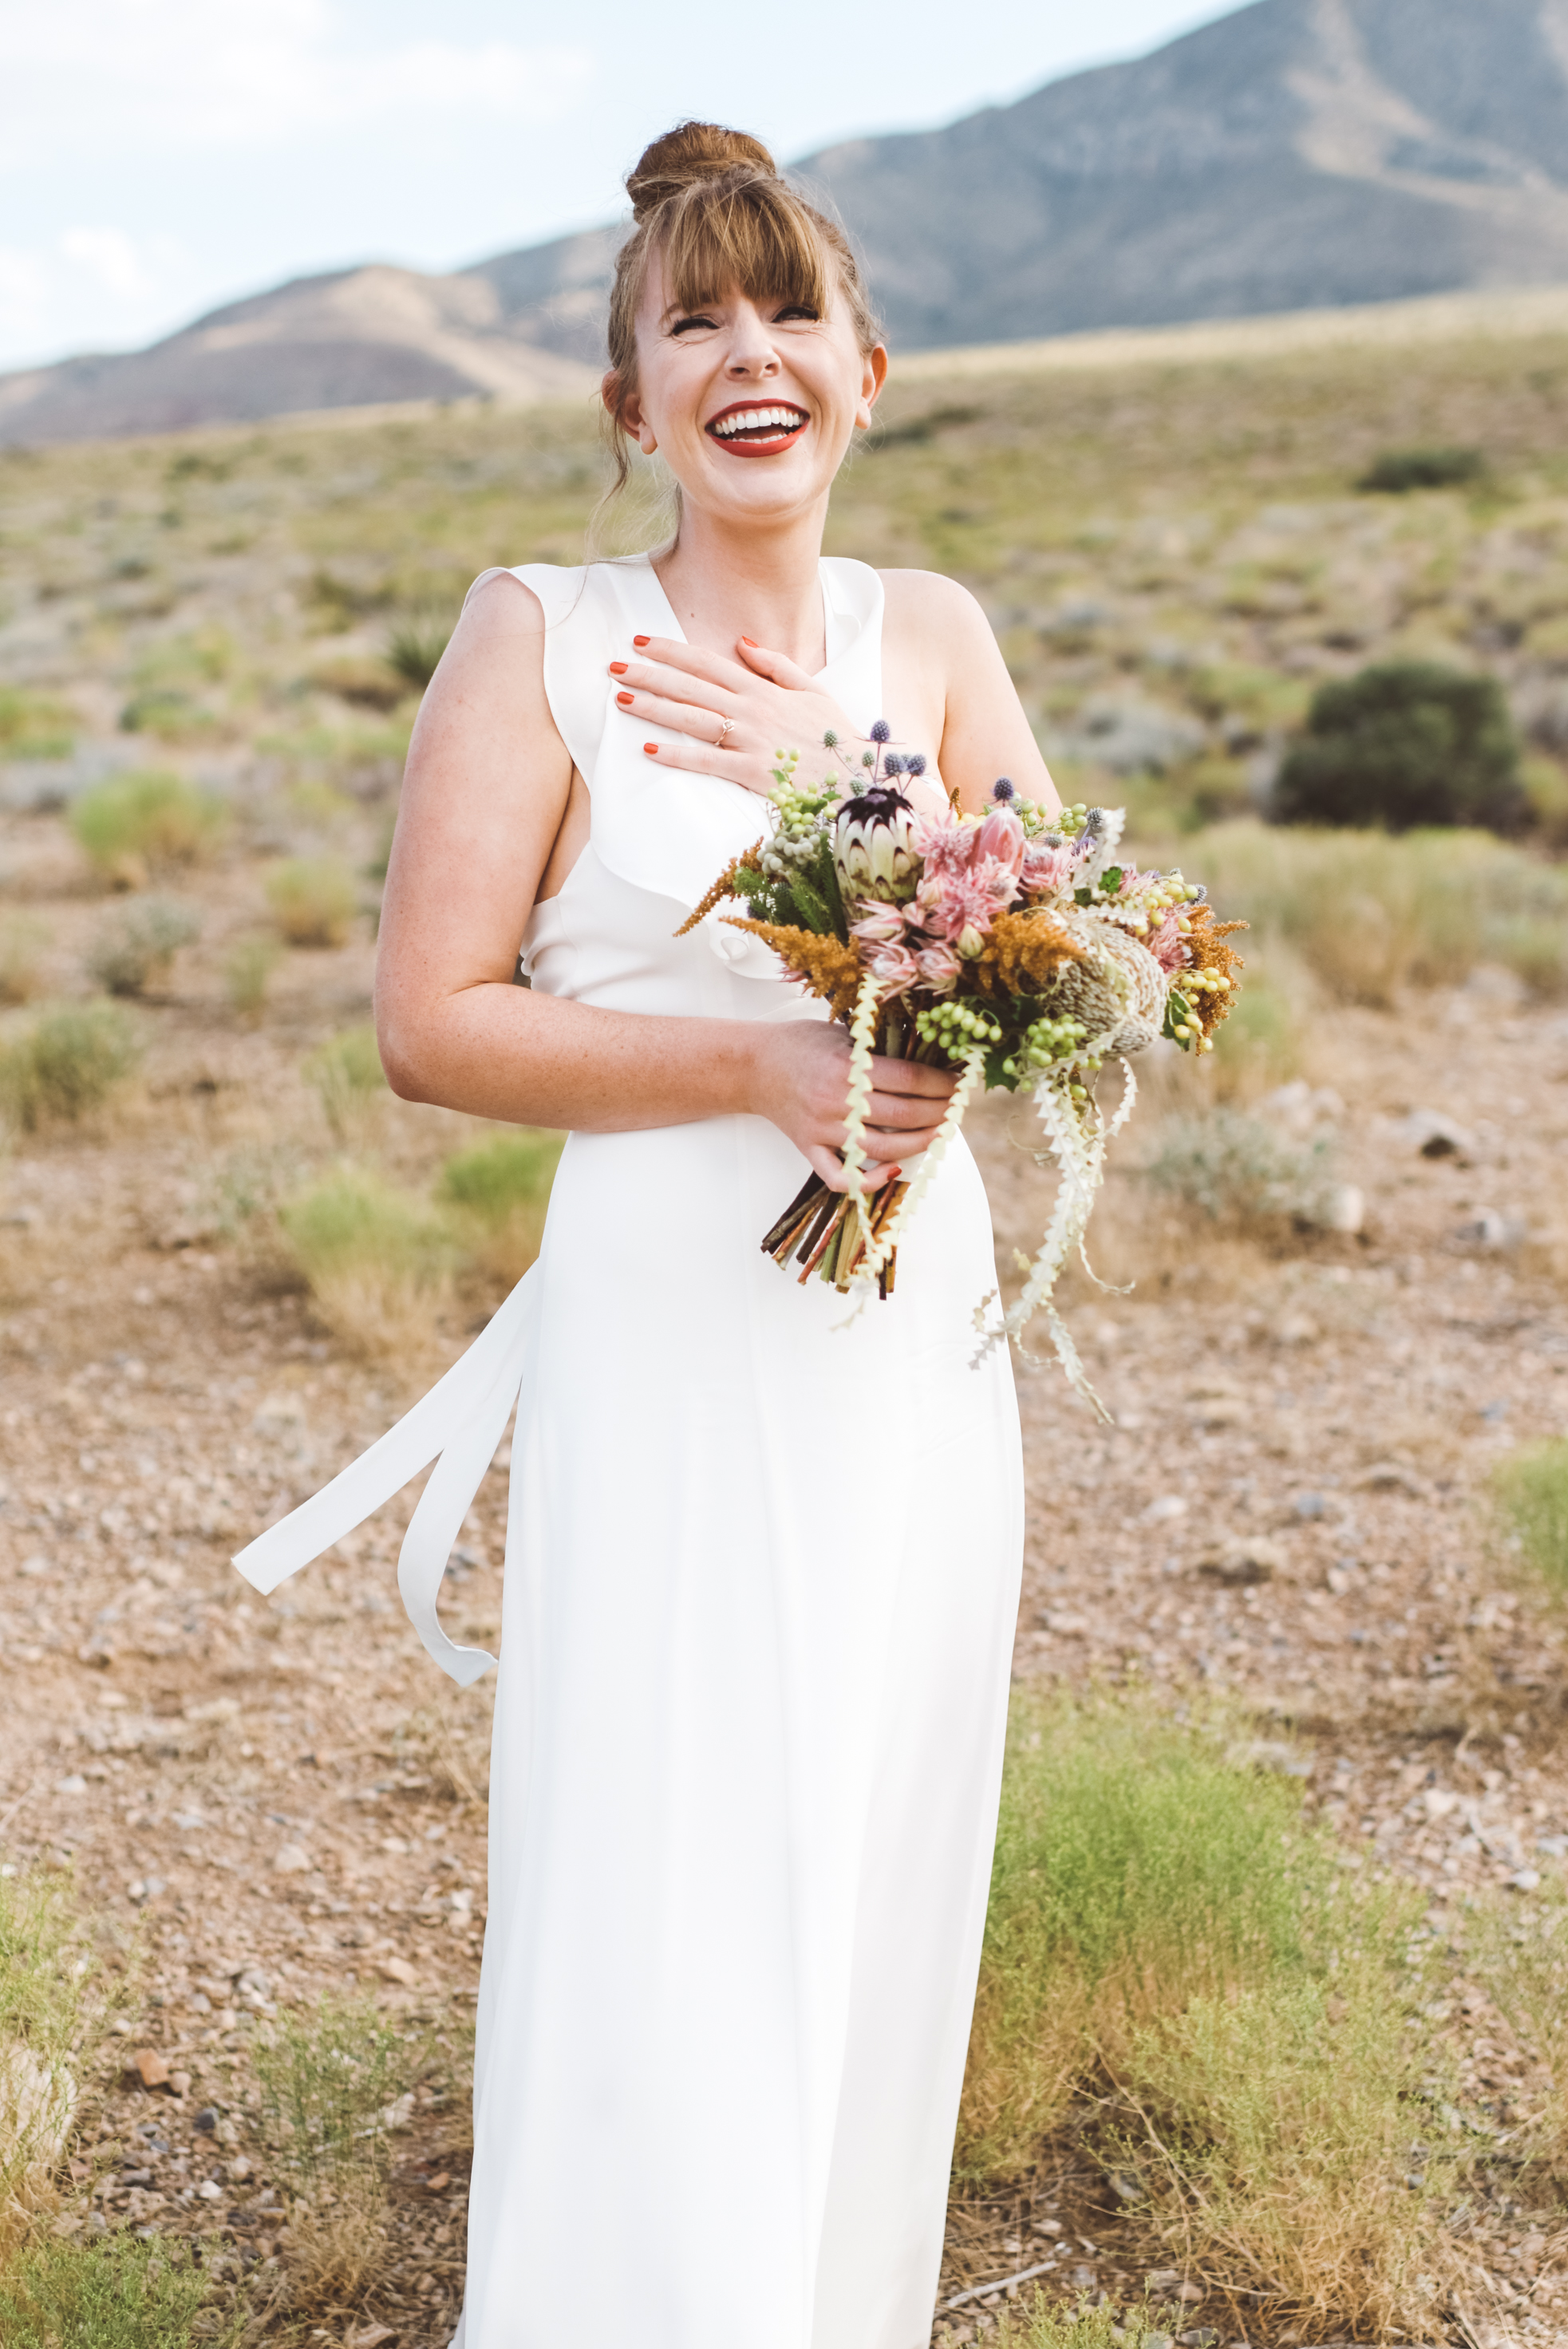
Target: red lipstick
(757, 428)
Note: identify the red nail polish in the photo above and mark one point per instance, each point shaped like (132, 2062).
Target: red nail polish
(642, 640)
(623, 700)
(618, 668)
(650, 748)
(750, 640)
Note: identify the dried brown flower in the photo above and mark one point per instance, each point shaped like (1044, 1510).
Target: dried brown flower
(1206, 939)
(828, 966)
(1024, 949)
(725, 886)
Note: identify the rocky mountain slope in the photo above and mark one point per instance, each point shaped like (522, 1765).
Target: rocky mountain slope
(1298, 153)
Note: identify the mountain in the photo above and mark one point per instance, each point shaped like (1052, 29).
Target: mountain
(1297, 154)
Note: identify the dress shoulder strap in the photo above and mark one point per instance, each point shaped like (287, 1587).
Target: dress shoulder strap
(581, 638)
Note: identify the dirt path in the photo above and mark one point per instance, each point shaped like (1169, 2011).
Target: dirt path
(271, 1798)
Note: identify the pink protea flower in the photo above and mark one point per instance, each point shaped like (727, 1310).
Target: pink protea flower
(1168, 948)
(894, 969)
(940, 967)
(1002, 837)
(993, 873)
(1044, 870)
(944, 842)
(879, 925)
(959, 907)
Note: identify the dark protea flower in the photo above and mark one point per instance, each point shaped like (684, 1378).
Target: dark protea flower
(873, 849)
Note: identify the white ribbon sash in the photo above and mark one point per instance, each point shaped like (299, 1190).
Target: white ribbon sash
(458, 1425)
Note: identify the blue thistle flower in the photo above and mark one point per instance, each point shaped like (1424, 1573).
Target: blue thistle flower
(915, 765)
(1002, 790)
(881, 731)
(893, 764)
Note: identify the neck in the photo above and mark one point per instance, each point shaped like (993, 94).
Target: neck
(726, 579)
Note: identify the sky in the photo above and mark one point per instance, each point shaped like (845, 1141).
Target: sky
(159, 157)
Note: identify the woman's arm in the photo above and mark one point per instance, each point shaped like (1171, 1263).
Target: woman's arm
(943, 667)
(486, 791)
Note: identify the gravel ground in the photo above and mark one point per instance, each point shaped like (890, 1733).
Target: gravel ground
(268, 1798)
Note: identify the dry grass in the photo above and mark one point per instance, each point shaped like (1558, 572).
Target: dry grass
(1167, 1940)
(66, 1063)
(313, 901)
(1520, 1950)
(53, 2004)
(138, 825)
(378, 1261)
(499, 1192)
(24, 941)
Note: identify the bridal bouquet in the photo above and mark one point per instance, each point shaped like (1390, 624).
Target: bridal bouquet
(1018, 947)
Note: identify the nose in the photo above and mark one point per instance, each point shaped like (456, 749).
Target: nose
(753, 357)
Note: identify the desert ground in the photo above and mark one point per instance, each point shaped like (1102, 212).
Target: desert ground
(1290, 1518)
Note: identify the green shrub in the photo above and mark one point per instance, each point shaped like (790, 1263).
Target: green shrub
(501, 1190)
(1405, 744)
(1167, 1939)
(376, 1259)
(33, 724)
(1370, 915)
(111, 2291)
(247, 968)
(136, 946)
(67, 1063)
(1042, 2323)
(23, 939)
(348, 1076)
(1531, 1487)
(313, 900)
(48, 2025)
(138, 825)
(1397, 471)
(1238, 1170)
(415, 650)
(331, 2077)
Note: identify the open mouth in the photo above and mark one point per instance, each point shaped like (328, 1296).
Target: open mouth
(755, 427)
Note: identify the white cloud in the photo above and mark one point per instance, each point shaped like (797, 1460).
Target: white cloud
(110, 257)
(81, 76)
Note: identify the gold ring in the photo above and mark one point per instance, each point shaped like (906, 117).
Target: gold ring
(726, 728)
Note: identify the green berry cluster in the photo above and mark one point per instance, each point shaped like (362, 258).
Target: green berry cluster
(1044, 1042)
(957, 1027)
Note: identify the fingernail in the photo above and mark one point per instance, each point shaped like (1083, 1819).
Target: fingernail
(650, 748)
(642, 640)
(618, 668)
(750, 640)
(624, 698)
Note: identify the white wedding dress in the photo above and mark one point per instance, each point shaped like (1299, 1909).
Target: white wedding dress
(761, 1574)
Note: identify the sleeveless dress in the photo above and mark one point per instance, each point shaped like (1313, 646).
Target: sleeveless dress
(762, 1576)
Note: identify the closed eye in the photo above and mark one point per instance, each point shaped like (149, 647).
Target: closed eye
(799, 310)
(684, 326)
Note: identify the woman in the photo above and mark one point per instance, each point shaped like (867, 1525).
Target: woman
(761, 1568)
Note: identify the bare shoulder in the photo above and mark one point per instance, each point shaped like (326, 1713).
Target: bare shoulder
(925, 603)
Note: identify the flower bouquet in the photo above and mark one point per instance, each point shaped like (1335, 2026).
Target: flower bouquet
(1017, 946)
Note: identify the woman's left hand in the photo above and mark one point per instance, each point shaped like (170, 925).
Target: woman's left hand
(770, 705)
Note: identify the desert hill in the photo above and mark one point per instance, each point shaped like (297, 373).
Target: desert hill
(1297, 154)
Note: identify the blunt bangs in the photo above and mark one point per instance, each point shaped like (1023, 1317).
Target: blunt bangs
(746, 233)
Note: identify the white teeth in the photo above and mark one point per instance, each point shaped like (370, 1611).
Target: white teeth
(751, 420)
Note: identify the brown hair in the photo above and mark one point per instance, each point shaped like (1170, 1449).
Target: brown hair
(711, 204)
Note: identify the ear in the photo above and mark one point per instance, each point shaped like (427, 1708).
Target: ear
(874, 375)
(627, 413)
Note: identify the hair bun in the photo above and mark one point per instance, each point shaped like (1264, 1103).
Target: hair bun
(684, 157)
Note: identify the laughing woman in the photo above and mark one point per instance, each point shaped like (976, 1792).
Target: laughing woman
(762, 1568)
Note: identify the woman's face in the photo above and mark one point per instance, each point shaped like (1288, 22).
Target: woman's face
(751, 403)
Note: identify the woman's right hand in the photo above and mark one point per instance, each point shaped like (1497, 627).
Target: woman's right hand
(801, 1083)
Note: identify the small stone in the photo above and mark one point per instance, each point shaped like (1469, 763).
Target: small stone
(206, 2121)
(210, 2190)
(180, 2084)
(292, 1860)
(1391, 1476)
(1241, 1564)
(1161, 1512)
(1488, 1230)
(374, 2336)
(1342, 1209)
(1199, 2336)
(397, 1970)
(440, 2182)
(1525, 1880)
(1308, 1505)
(1189, 2292)
(74, 1785)
(1436, 1136)
(1082, 2279)
(149, 2067)
(239, 2169)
